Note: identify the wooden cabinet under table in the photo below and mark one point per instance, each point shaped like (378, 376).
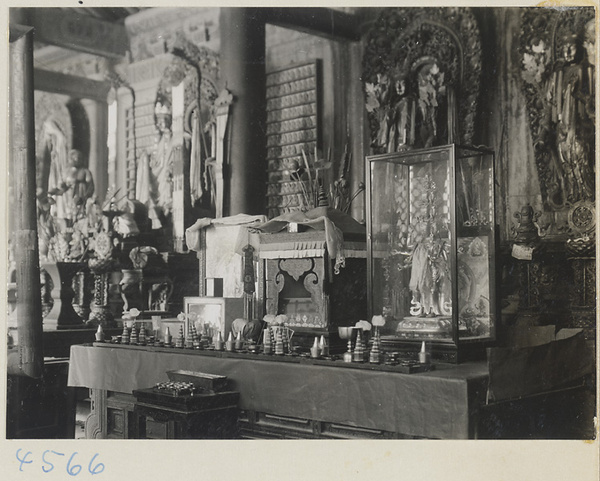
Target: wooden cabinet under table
(204, 416)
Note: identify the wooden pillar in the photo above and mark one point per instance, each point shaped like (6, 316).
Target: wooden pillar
(243, 74)
(120, 177)
(22, 139)
(97, 113)
(112, 138)
(359, 136)
(181, 176)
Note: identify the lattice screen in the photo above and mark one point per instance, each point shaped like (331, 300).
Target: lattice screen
(293, 107)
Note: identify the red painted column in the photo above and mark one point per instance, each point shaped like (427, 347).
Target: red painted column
(243, 74)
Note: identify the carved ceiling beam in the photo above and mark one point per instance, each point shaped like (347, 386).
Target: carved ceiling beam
(79, 32)
(71, 85)
(324, 22)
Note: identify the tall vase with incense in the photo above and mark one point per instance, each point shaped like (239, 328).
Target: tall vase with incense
(101, 266)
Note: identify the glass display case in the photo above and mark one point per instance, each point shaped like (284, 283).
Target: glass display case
(431, 249)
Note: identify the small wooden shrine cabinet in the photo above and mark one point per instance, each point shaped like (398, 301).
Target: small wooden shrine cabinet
(300, 281)
(202, 416)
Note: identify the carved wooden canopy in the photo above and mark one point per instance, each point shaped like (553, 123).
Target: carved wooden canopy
(402, 40)
(199, 66)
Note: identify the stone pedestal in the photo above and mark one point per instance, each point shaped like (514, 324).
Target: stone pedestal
(62, 314)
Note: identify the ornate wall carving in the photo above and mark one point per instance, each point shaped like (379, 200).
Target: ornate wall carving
(403, 42)
(52, 120)
(198, 67)
(84, 65)
(152, 32)
(557, 76)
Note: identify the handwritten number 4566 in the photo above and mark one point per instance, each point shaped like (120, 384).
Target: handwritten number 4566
(73, 469)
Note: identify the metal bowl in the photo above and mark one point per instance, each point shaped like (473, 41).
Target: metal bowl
(345, 332)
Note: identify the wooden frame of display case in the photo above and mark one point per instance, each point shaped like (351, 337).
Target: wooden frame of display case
(476, 225)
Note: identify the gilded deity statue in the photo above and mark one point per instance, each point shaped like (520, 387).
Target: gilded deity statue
(79, 184)
(55, 162)
(559, 76)
(154, 180)
(161, 163)
(589, 44)
(430, 278)
(572, 97)
(69, 190)
(402, 129)
(432, 90)
(427, 254)
(378, 96)
(395, 106)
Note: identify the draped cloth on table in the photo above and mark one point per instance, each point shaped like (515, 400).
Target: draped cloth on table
(333, 221)
(245, 237)
(436, 404)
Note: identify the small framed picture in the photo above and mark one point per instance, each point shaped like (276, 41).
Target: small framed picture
(211, 315)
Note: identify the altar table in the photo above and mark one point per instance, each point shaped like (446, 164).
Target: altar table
(442, 403)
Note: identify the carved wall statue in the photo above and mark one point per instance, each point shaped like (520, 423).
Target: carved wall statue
(198, 69)
(54, 138)
(421, 71)
(63, 182)
(155, 169)
(557, 53)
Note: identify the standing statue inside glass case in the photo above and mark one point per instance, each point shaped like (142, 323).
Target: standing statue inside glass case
(429, 279)
(430, 284)
(431, 267)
